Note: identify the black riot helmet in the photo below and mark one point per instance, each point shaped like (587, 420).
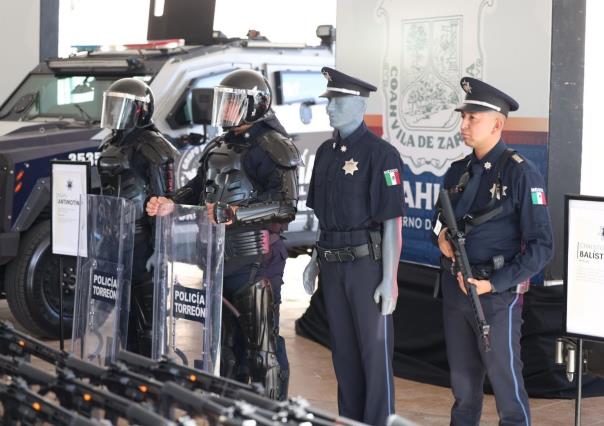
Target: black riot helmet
(243, 96)
(127, 103)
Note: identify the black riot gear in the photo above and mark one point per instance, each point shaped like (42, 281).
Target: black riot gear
(249, 176)
(127, 103)
(135, 164)
(243, 96)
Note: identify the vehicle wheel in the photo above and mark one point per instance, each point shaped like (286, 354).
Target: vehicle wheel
(31, 284)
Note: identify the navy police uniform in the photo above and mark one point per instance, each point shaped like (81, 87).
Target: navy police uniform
(500, 200)
(355, 186)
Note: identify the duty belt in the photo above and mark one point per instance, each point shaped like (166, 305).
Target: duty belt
(343, 254)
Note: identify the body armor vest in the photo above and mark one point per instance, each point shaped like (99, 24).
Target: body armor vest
(226, 180)
(121, 178)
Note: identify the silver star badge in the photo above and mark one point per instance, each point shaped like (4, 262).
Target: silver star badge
(487, 166)
(466, 86)
(497, 191)
(343, 148)
(350, 167)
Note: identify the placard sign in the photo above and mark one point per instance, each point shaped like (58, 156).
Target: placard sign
(584, 266)
(69, 180)
(189, 303)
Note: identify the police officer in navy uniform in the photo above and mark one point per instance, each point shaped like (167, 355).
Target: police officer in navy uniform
(248, 179)
(499, 199)
(357, 195)
(135, 162)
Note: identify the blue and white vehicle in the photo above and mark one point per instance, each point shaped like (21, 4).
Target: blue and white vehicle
(54, 114)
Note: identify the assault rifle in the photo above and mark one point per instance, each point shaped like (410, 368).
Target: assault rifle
(79, 396)
(118, 378)
(231, 393)
(25, 407)
(458, 240)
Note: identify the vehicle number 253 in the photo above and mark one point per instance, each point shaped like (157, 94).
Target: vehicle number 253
(91, 157)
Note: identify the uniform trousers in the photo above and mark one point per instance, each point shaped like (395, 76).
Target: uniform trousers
(469, 362)
(361, 339)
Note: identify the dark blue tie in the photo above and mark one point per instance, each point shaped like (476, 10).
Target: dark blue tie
(469, 192)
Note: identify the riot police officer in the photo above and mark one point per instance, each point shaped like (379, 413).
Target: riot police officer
(357, 194)
(248, 179)
(135, 162)
(499, 199)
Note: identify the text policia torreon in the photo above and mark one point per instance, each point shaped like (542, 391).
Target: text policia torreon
(189, 303)
(104, 287)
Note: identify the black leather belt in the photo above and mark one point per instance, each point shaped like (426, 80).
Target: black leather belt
(343, 254)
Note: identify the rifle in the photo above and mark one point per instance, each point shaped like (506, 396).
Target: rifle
(79, 396)
(116, 377)
(20, 404)
(458, 239)
(167, 370)
(237, 395)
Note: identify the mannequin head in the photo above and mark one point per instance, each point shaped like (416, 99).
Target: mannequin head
(346, 113)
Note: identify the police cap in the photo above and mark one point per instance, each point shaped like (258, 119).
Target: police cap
(481, 96)
(340, 84)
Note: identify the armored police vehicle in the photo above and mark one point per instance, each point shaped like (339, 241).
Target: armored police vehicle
(55, 113)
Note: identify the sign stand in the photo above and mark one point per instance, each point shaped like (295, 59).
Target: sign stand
(69, 179)
(583, 277)
(579, 385)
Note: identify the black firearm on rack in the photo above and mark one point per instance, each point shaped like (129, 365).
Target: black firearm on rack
(81, 397)
(239, 395)
(458, 240)
(20, 405)
(120, 380)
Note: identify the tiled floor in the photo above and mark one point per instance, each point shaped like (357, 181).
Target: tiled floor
(312, 375)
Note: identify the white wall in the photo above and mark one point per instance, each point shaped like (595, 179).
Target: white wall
(592, 172)
(20, 35)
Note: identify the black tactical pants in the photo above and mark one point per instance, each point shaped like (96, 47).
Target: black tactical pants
(469, 362)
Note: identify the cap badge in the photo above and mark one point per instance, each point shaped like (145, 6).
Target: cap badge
(466, 86)
(327, 76)
(350, 167)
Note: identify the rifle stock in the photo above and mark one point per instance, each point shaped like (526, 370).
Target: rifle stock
(458, 240)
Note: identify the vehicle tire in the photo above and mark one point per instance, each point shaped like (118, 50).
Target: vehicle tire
(31, 285)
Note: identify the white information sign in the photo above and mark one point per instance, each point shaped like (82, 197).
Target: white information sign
(69, 181)
(585, 266)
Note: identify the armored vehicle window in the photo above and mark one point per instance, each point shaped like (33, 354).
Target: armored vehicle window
(44, 96)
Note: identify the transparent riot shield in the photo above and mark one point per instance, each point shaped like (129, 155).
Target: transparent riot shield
(188, 287)
(104, 272)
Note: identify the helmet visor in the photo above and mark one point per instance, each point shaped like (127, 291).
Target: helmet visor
(229, 107)
(120, 111)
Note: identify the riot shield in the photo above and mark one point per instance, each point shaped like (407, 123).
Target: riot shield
(104, 272)
(188, 287)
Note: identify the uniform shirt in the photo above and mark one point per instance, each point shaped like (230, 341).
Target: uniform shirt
(522, 232)
(356, 182)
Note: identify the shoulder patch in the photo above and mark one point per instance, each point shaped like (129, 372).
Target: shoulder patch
(517, 158)
(281, 149)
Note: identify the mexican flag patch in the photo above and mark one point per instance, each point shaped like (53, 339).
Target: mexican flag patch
(392, 177)
(538, 197)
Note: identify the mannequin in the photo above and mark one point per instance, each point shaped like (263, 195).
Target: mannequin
(346, 115)
(356, 194)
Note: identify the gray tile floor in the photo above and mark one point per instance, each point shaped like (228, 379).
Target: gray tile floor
(312, 375)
